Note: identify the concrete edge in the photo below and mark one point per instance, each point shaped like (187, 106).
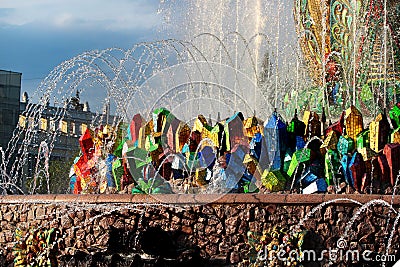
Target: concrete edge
(200, 199)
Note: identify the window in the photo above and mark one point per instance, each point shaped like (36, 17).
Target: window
(31, 123)
(73, 129)
(52, 125)
(22, 121)
(63, 126)
(43, 124)
(8, 117)
(83, 128)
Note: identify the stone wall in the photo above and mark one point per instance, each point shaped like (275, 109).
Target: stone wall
(173, 230)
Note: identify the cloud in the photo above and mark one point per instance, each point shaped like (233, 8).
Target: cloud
(83, 14)
(42, 34)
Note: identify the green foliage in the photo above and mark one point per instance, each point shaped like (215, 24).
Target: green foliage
(273, 241)
(155, 185)
(59, 174)
(36, 248)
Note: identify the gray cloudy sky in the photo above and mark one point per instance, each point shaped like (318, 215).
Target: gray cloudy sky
(37, 35)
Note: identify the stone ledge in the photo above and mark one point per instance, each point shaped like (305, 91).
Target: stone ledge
(200, 199)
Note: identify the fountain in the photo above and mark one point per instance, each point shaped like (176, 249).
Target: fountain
(226, 66)
(164, 73)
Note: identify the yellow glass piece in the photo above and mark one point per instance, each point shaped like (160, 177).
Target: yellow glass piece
(85, 182)
(181, 136)
(374, 135)
(330, 141)
(395, 137)
(353, 122)
(306, 118)
(103, 186)
(142, 138)
(144, 131)
(149, 143)
(366, 153)
(201, 176)
(213, 136)
(376, 129)
(252, 126)
(108, 130)
(97, 141)
(149, 128)
(199, 123)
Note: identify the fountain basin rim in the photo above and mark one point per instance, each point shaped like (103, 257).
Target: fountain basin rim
(197, 199)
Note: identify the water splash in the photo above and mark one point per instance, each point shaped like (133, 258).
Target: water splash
(362, 209)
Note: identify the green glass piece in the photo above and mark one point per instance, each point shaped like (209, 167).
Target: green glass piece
(273, 180)
(363, 139)
(141, 157)
(332, 165)
(118, 171)
(286, 162)
(300, 156)
(118, 150)
(345, 145)
(192, 161)
(394, 115)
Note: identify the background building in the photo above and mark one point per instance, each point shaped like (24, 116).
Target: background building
(59, 128)
(10, 90)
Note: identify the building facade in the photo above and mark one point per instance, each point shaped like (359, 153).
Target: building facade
(10, 90)
(59, 127)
